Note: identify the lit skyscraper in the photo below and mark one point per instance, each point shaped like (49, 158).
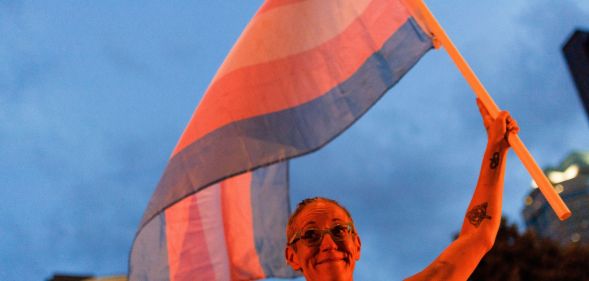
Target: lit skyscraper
(571, 180)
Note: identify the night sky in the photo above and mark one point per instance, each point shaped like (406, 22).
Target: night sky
(95, 94)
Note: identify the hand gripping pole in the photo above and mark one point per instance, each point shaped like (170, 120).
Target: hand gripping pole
(427, 20)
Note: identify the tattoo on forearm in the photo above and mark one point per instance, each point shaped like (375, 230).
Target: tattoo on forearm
(477, 214)
(495, 160)
(440, 271)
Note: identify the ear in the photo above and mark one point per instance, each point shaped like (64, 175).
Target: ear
(291, 258)
(357, 245)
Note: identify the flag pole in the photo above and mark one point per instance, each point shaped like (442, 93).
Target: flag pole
(426, 19)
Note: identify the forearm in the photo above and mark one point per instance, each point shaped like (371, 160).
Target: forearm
(480, 225)
(483, 214)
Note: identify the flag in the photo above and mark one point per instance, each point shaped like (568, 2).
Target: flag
(299, 75)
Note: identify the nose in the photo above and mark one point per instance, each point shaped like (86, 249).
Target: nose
(327, 243)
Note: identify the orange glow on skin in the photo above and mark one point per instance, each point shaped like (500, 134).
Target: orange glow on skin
(330, 260)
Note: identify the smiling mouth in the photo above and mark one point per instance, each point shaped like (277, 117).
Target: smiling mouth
(332, 260)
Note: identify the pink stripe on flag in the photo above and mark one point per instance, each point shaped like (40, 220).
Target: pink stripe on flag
(196, 240)
(239, 228)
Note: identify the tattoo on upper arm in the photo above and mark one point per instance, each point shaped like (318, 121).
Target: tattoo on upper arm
(495, 160)
(477, 214)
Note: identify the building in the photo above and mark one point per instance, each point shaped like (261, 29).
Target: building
(571, 180)
(576, 53)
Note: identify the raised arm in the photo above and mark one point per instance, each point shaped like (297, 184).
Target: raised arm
(483, 215)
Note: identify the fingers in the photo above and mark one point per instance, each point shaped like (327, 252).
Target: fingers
(501, 122)
(507, 125)
(499, 128)
(503, 116)
(512, 126)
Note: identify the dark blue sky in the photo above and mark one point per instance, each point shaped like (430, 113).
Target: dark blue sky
(94, 95)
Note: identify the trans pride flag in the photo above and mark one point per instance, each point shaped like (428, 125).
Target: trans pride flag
(300, 74)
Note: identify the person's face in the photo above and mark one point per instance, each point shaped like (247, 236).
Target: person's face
(329, 260)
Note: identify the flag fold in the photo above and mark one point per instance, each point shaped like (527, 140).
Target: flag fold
(300, 74)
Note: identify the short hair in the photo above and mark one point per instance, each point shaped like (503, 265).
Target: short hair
(290, 228)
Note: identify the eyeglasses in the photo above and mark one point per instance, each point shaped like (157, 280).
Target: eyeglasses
(313, 236)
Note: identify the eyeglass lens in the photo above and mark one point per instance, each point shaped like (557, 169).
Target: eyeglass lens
(314, 236)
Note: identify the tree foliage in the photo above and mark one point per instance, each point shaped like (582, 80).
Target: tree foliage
(526, 256)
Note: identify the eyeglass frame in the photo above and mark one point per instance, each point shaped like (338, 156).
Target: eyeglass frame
(297, 236)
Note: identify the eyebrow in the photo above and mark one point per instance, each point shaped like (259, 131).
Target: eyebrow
(308, 223)
(313, 222)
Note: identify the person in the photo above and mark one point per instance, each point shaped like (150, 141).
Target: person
(322, 241)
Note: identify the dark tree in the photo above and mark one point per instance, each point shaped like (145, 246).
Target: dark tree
(522, 257)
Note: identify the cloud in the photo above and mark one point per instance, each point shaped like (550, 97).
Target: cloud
(408, 168)
(93, 99)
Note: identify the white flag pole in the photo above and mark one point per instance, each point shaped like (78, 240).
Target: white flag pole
(427, 20)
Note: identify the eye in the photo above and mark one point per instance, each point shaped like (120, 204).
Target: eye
(339, 231)
(311, 235)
